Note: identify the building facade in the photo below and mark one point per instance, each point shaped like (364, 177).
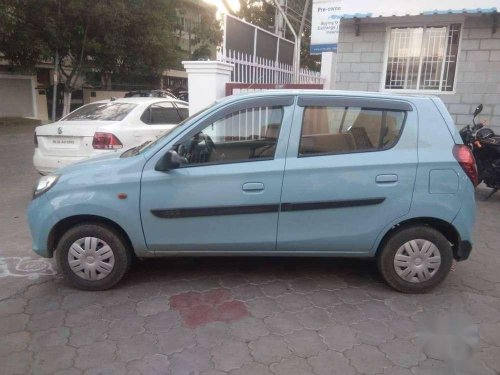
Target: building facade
(195, 17)
(454, 55)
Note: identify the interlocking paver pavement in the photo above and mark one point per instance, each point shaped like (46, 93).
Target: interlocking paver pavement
(239, 316)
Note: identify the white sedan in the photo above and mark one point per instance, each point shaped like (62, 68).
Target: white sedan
(103, 127)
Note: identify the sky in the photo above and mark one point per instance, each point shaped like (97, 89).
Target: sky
(235, 4)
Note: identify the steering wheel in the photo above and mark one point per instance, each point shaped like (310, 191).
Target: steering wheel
(181, 150)
(194, 142)
(210, 143)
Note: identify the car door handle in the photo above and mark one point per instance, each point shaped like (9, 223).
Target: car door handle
(386, 178)
(253, 186)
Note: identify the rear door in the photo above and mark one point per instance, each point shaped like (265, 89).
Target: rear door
(161, 117)
(183, 110)
(350, 171)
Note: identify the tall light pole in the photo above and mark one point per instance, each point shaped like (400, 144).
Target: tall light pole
(297, 37)
(279, 24)
(56, 68)
(301, 30)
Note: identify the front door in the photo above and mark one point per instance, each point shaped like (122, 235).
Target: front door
(226, 195)
(350, 172)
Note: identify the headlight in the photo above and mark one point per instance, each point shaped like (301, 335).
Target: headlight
(44, 184)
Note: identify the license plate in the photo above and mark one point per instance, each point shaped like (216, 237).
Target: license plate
(63, 141)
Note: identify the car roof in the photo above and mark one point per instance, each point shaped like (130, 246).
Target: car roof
(141, 100)
(363, 94)
(148, 100)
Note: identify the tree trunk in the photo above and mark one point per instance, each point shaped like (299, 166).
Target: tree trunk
(66, 102)
(106, 81)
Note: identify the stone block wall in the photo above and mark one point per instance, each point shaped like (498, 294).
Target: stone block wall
(360, 64)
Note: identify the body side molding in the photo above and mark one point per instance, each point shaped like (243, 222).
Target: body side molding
(178, 213)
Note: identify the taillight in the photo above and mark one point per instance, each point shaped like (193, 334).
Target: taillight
(465, 158)
(35, 140)
(106, 141)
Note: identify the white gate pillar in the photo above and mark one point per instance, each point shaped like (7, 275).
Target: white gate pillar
(329, 69)
(206, 82)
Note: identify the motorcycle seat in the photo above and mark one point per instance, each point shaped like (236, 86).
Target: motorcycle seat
(493, 141)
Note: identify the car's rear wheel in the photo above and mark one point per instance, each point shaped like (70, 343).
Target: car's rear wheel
(415, 259)
(93, 256)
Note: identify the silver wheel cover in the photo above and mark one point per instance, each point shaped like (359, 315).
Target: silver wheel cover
(417, 261)
(91, 258)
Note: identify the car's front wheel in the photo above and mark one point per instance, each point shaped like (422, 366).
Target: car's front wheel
(415, 259)
(93, 256)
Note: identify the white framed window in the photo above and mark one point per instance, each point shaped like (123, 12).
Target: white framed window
(422, 58)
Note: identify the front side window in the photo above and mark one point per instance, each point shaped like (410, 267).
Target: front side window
(422, 58)
(101, 111)
(338, 130)
(247, 135)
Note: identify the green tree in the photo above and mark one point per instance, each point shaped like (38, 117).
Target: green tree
(207, 33)
(106, 37)
(26, 32)
(123, 37)
(198, 26)
(258, 12)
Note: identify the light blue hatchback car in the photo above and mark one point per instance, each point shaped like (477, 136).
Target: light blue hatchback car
(303, 173)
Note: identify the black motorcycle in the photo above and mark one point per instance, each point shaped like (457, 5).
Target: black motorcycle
(485, 146)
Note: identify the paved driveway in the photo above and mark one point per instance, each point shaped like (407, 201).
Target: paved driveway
(239, 315)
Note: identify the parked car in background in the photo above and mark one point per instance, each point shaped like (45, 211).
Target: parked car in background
(182, 94)
(314, 173)
(150, 94)
(104, 127)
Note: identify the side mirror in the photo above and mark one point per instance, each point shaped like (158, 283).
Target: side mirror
(171, 160)
(478, 110)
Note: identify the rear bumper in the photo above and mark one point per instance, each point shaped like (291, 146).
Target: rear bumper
(48, 164)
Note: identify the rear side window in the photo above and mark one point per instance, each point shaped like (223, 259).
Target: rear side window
(338, 130)
(183, 112)
(161, 113)
(101, 112)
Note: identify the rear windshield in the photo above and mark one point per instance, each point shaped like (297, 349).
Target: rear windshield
(101, 111)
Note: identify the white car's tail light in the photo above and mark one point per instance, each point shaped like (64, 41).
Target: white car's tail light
(106, 141)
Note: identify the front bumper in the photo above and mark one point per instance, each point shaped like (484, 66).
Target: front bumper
(463, 251)
(41, 220)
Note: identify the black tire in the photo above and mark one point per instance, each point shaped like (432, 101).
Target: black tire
(386, 255)
(122, 255)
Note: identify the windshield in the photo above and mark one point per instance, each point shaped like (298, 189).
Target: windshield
(101, 111)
